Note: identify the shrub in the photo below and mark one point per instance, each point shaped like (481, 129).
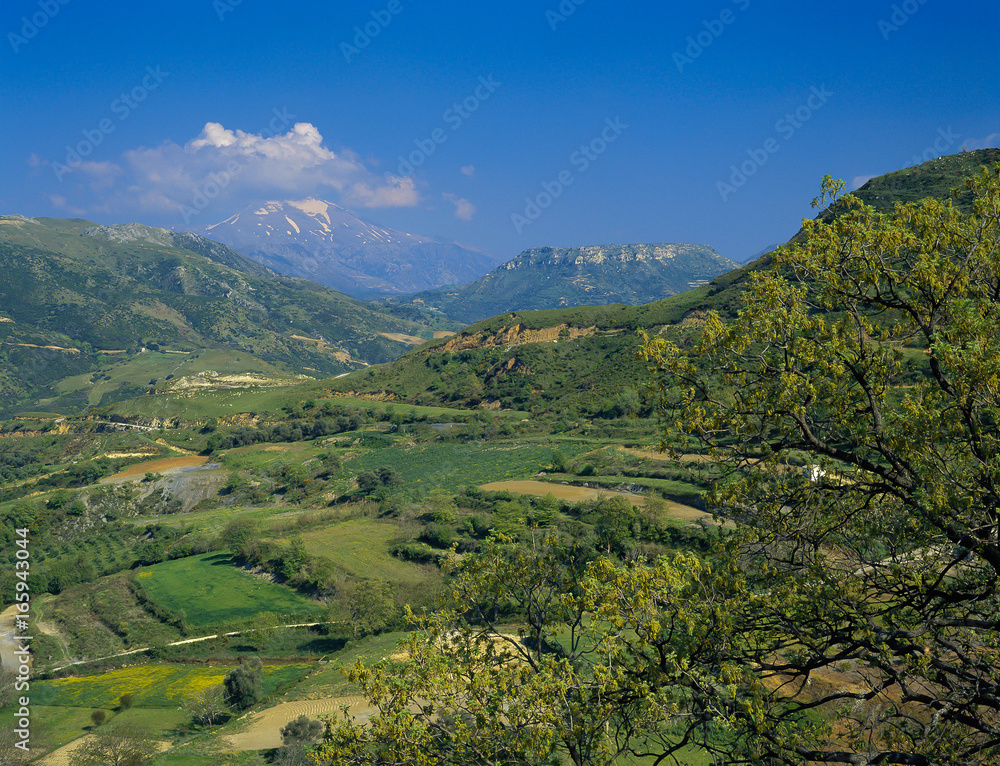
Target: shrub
(242, 684)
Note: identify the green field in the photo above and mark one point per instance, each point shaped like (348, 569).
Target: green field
(209, 590)
(452, 466)
(361, 548)
(152, 686)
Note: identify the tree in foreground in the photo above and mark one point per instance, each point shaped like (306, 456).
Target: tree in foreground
(873, 351)
(850, 613)
(601, 666)
(122, 743)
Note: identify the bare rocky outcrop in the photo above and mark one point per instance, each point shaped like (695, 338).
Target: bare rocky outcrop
(517, 335)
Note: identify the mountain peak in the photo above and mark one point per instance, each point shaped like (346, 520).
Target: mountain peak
(320, 240)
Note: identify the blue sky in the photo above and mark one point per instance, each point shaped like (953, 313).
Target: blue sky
(501, 125)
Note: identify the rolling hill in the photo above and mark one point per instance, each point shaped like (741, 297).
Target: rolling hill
(76, 298)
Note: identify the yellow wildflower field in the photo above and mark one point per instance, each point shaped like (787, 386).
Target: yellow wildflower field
(149, 685)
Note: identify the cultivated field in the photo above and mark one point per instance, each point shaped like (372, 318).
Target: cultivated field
(361, 548)
(209, 590)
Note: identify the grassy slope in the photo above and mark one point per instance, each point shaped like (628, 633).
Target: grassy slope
(560, 375)
(209, 590)
(84, 294)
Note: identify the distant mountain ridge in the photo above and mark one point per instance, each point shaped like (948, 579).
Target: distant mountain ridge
(319, 240)
(547, 278)
(578, 360)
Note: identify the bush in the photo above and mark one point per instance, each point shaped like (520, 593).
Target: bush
(243, 684)
(420, 553)
(302, 729)
(438, 535)
(98, 717)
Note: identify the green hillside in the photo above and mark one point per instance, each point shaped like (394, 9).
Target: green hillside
(581, 361)
(90, 302)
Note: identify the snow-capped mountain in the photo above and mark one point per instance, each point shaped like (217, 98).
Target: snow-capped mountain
(322, 241)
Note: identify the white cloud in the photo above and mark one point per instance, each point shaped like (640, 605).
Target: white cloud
(469, 170)
(102, 175)
(232, 167)
(464, 210)
(59, 203)
(399, 192)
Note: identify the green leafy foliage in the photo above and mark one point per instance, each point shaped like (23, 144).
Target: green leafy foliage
(883, 552)
(243, 684)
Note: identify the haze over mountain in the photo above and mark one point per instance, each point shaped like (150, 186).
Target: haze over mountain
(548, 278)
(319, 240)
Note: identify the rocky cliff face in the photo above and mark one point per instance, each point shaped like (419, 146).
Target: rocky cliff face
(517, 335)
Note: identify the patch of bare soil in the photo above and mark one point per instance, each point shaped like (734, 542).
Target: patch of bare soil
(399, 337)
(264, 730)
(156, 466)
(114, 455)
(50, 348)
(7, 643)
(517, 335)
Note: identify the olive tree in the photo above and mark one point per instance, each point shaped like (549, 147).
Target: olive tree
(872, 348)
